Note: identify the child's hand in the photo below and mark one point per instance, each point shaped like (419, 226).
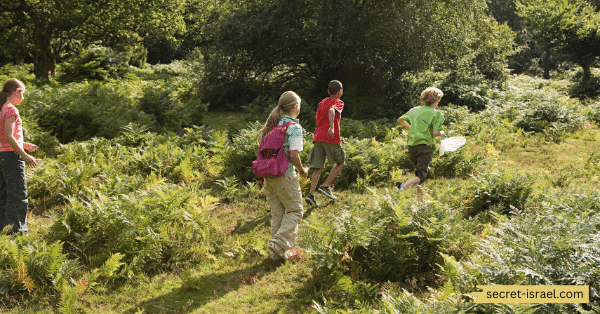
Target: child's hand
(304, 174)
(30, 161)
(330, 132)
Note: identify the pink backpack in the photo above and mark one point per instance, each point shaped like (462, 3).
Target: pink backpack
(271, 161)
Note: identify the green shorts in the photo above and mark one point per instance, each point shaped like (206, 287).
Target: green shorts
(421, 156)
(334, 152)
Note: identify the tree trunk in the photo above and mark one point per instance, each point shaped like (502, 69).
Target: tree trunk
(44, 61)
(587, 72)
(547, 64)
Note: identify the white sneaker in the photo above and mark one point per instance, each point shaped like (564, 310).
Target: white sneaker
(277, 251)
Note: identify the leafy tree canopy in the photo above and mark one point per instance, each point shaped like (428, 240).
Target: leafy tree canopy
(565, 25)
(43, 28)
(366, 44)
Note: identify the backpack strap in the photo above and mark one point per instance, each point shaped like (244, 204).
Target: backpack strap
(285, 125)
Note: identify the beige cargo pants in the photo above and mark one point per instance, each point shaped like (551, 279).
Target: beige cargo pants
(285, 198)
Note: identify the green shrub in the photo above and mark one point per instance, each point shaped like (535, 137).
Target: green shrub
(154, 231)
(371, 162)
(79, 111)
(502, 192)
(531, 104)
(555, 120)
(28, 263)
(164, 100)
(238, 156)
(593, 162)
(46, 142)
(585, 88)
(593, 113)
(361, 129)
(394, 300)
(389, 239)
(472, 97)
(138, 55)
(114, 168)
(454, 114)
(157, 102)
(31, 266)
(94, 63)
(23, 72)
(541, 249)
(459, 163)
(164, 160)
(172, 105)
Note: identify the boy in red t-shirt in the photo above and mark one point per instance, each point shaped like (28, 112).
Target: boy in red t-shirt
(327, 143)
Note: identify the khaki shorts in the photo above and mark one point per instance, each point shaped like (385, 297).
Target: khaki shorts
(334, 152)
(421, 156)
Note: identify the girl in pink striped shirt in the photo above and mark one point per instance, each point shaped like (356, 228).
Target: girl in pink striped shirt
(13, 158)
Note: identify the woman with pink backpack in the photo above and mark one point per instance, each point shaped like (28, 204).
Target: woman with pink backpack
(282, 188)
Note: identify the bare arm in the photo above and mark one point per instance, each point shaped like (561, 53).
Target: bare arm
(295, 160)
(30, 147)
(331, 130)
(9, 127)
(404, 124)
(438, 133)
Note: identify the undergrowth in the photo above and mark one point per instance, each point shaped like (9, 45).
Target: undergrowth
(133, 185)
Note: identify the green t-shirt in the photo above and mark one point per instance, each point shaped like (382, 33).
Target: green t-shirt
(423, 120)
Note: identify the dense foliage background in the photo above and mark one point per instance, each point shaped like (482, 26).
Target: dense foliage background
(148, 117)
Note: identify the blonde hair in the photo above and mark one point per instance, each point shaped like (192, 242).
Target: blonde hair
(9, 87)
(287, 102)
(431, 95)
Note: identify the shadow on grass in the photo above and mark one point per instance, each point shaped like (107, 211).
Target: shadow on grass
(263, 219)
(323, 203)
(196, 292)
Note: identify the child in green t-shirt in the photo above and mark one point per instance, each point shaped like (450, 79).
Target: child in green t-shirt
(424, 123)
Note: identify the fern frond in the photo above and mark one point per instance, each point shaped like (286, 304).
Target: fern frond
(19, 276)
(68, 300)
(111, 265)
(81, 287)
(56, 258)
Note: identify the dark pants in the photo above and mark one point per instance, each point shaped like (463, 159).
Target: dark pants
(421, 156)
(13, 192)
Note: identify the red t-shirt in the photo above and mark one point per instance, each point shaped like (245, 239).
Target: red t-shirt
(323, 120)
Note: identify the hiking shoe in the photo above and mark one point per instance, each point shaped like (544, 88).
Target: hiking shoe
(400, 186)
(278, 252)
(311, 200)
(325, 190)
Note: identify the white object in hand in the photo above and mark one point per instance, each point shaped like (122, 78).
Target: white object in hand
(451, 144)
(39, 162)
